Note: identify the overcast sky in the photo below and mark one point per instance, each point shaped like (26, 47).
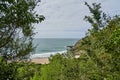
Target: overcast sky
(64, 18)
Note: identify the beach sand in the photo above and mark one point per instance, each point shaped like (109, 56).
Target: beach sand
(40, 61)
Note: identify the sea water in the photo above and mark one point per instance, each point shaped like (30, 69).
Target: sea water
(50, 46)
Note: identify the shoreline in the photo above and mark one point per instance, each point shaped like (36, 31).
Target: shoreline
(40, 61)
(44, 57)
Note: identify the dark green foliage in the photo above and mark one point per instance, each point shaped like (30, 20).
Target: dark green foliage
(7, 71)
(102, 46)
(100, 53)
(16, 19)
(18, 70)
(16, 34)
(99, 58)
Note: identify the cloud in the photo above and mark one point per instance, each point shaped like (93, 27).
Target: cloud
(64, 18)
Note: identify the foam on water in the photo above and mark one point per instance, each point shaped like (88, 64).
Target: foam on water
(45, 55)
(45, 47)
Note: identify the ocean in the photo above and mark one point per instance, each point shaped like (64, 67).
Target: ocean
(50, 46)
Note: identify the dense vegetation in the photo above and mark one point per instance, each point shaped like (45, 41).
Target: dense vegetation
(100, 52)
(99, 58)
(16, 27)
(16, 34)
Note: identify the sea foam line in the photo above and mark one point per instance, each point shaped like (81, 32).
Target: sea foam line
(46, 55)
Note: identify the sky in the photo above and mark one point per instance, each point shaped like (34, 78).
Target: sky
(64, 18)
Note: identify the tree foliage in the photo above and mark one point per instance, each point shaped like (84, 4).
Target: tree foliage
(16, 34)
(99, 58)
(100, 52)
(98, 19)
(16, 27)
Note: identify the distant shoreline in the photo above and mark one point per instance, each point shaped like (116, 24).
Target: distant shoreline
(45, 55)
(40, 61)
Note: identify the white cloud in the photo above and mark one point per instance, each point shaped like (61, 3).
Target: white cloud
(64, 18)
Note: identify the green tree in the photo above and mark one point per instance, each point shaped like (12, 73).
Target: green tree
(98, 19)
(101, 46)
(16, 27)
(16, 34)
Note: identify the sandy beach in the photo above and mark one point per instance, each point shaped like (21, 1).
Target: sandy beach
(40, 61)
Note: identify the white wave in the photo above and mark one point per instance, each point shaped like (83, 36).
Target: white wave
(45, 55)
